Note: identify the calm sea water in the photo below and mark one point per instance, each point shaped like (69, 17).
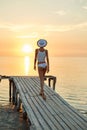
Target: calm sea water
(71, 73)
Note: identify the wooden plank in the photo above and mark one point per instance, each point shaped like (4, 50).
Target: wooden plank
(32, 109)
(81, 117)
(76, 118)
(79, 127)
(30, 113)
(49, 113)
(34, 89)
(60, 111)
(51, 117)
(58, 114)
(54, 113)
(37, 114)
(46, 88)
(48, 119)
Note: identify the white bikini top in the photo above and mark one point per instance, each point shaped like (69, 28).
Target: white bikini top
(41, 56)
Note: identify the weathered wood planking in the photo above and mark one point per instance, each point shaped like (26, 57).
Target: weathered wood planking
(53, 114)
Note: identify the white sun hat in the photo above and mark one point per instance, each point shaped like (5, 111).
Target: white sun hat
(41, 43)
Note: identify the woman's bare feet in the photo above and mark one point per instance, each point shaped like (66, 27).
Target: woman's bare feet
(43, 95)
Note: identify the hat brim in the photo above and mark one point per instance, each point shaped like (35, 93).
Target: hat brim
(41, 43)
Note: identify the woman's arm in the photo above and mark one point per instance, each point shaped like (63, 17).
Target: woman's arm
(47, 61)
(35, 59)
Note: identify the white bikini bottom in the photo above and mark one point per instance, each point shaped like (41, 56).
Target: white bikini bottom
(42, 65)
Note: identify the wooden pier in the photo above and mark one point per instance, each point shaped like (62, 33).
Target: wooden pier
(53, 114)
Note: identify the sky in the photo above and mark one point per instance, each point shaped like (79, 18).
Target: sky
(63, 23)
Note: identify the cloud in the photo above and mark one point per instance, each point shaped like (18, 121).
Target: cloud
(84, 7)
(32, 35)
(65, 28)
(35, 30)
(51, 28)
(60, 12)
(15, 28)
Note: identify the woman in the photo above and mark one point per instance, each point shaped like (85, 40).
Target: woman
(41, 56)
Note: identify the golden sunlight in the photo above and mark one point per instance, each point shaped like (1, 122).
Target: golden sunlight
(27, 64)
(27, 48)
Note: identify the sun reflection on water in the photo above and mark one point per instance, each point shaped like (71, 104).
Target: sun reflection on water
(27, 64)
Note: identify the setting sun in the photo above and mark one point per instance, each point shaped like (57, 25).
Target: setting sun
(27, 48)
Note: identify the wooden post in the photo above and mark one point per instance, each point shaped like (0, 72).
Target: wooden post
(49, 82)
(24, 113)
(16, 96)
(54, 82)
(10, 90)
(14, 93)
(18, 103)
(53, 78)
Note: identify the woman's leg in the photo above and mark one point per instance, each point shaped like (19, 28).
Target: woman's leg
(42, 72)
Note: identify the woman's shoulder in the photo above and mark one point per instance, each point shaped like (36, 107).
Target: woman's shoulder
(36, 50)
